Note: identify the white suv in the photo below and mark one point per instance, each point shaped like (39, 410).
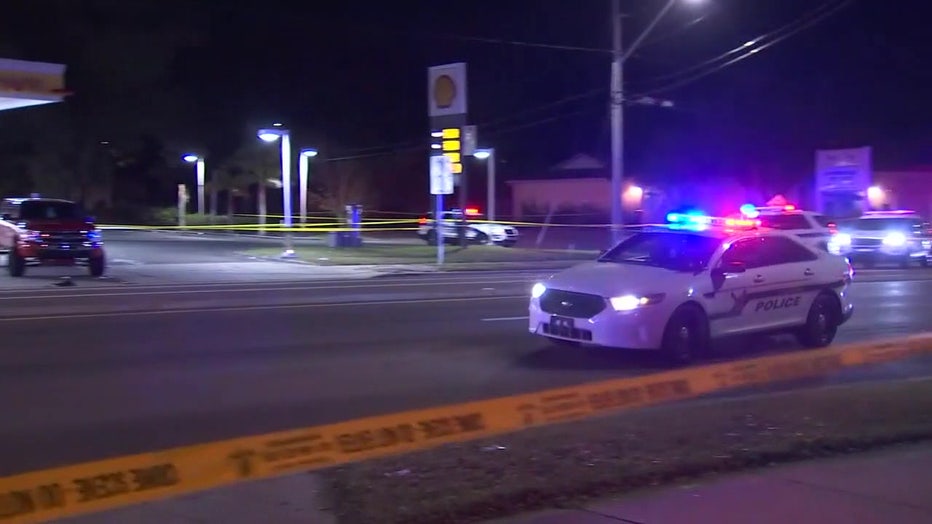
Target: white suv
(812, 228)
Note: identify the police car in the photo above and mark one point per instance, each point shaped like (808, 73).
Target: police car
(675, 287)
(898, 236)
(477, 230)
(813, 228)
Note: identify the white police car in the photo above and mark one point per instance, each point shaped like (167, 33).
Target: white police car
(478, 231)
(812, 228)
(675, 287)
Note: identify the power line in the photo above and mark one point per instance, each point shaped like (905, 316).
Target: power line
(794, 27)
(520, 43)
(744, 47)
(750, 50)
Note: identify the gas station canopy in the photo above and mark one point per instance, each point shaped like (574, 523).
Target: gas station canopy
(24, 84)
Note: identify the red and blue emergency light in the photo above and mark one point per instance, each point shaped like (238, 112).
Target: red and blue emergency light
(695, 220)
(752, 211)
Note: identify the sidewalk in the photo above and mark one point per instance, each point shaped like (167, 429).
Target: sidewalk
(890, 486)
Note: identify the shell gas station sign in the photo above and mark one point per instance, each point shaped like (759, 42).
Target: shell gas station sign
(25, 84)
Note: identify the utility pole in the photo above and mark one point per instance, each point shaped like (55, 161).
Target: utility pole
(618, 125)
(619, 55)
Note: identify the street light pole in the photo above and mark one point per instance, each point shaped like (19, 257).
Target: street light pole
(489, 156)
(277, 132)
(619, 56)
(617, 102)
(306, 155)
(201, 175)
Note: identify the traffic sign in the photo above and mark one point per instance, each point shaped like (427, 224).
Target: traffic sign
(441, 175)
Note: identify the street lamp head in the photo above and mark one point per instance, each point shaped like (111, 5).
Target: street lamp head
(308, 153)
(267, 135)
(190, 158)
(482, 154)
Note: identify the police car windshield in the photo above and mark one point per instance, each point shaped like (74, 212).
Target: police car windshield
(49, 210)
(887, 224)
(667, 250)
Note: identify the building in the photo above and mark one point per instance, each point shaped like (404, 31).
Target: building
(581, 187)
(573, 190)
(902, 189)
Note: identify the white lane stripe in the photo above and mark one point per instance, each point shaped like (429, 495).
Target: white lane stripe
(503, 319)
(252, 308)
(239, 290)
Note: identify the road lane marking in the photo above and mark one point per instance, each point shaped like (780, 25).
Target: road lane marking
(138, 292)
(503, 319)
(232, 309)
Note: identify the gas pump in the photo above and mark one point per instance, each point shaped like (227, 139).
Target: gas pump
(351, 234)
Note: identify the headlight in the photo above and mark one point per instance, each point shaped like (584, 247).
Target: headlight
(895, 240)
(537, 290)
(631, 302)
(838, 242)
(29, 236)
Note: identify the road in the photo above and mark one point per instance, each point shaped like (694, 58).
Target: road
(158, 257)
(93, 372)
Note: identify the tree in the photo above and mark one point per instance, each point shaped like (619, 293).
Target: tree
(232, 180)
(343, 183)
(255, 165)
(120, 58)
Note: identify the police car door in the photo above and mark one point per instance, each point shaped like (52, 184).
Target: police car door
(739, 277)
(792, 279)
(448, 224)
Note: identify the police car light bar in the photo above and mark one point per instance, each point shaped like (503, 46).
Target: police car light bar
(891, 212)
(704, 220)
(788, 207)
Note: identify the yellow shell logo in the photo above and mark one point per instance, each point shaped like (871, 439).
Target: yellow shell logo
(444, 91)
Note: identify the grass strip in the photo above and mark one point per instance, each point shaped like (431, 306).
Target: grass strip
(570, 464)
(415, 254)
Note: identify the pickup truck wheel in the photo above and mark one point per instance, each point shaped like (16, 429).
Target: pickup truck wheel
(97, 266)
(16, 264)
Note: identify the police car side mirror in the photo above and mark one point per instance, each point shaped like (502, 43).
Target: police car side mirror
(731, 268)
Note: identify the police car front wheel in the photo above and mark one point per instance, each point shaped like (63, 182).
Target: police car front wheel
(821, 323)
(685, 336)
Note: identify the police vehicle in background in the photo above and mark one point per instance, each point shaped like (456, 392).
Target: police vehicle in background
(675, 287)
(899, 237)
(812, 228)
(478, 231)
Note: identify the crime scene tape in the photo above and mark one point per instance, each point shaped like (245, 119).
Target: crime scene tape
(106, 484)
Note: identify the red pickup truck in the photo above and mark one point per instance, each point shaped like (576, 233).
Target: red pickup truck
(47, 231)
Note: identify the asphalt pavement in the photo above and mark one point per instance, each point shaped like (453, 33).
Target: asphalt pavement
(165, 257)
(93, 372)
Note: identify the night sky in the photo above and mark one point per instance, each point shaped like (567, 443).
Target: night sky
(350, 77)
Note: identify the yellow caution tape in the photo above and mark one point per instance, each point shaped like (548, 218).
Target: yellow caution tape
(70, 490)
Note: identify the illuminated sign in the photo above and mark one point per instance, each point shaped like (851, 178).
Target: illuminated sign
(448, 141)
